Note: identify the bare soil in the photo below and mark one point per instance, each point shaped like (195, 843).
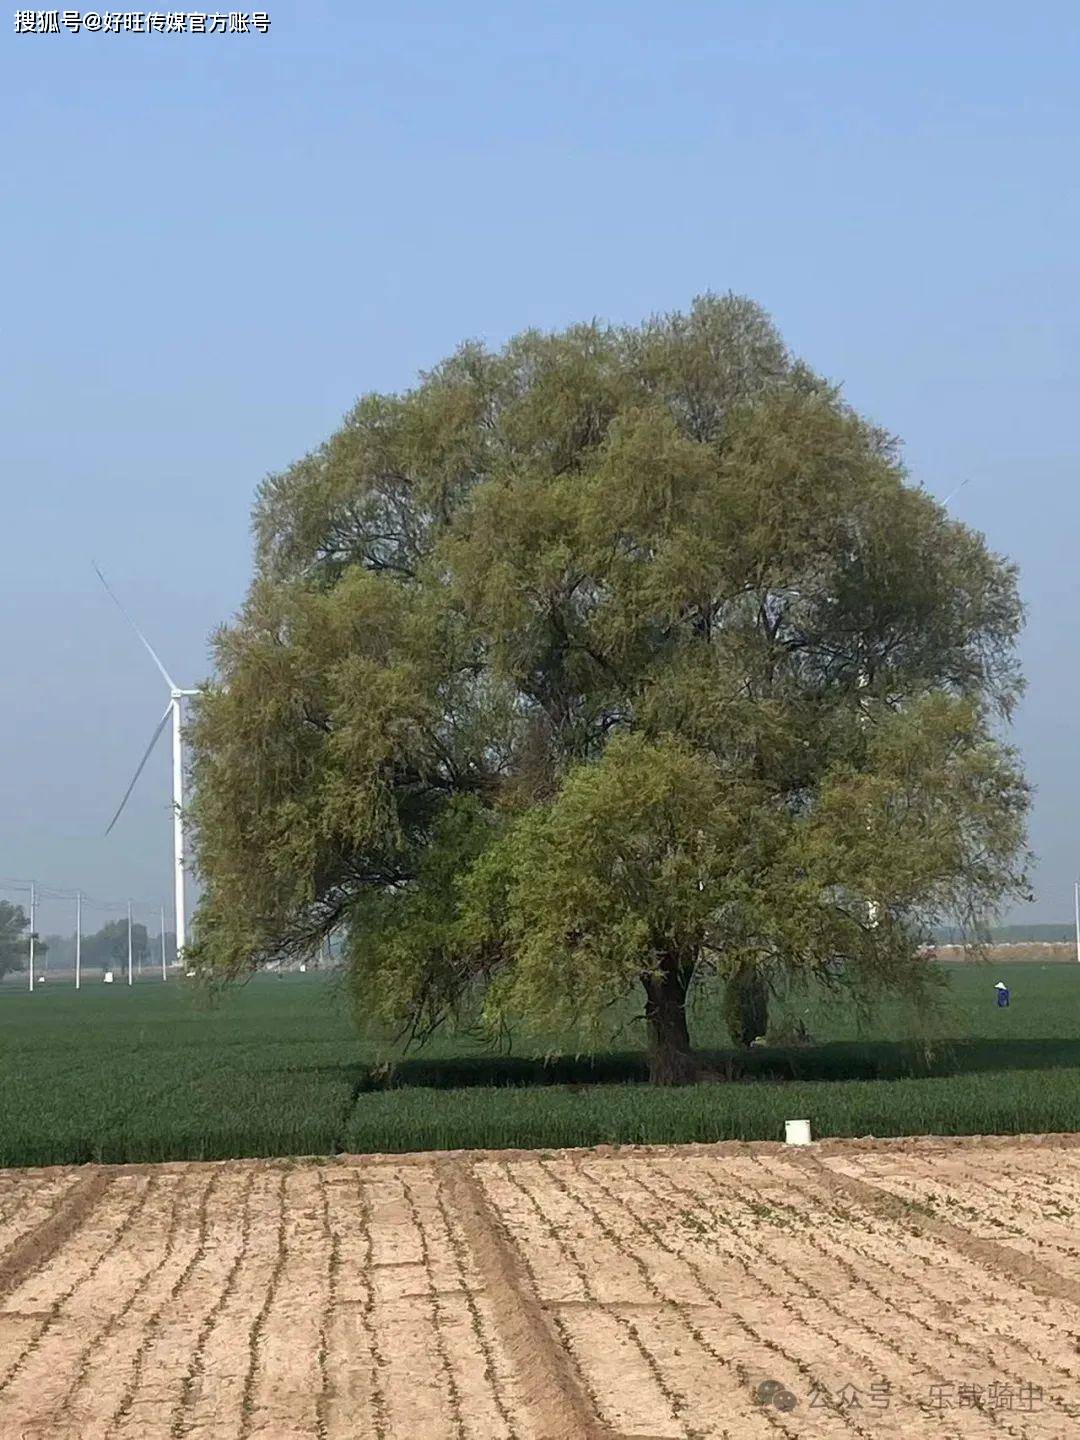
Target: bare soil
(874, 1289)
(1045, 951)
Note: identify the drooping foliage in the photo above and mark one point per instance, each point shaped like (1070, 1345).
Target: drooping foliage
(594, 662)
(746, 1005)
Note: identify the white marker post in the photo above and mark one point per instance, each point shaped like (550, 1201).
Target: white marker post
(78, 938)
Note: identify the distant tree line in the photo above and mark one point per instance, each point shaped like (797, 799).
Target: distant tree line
(107, 948)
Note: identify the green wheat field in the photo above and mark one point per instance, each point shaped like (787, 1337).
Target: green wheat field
(157, 1072)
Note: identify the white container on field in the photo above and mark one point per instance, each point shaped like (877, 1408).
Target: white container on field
(797, 1132)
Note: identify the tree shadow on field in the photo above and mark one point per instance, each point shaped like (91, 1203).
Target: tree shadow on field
(835, 1060)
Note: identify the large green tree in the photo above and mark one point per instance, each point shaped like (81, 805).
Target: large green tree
(14, 938)
(591, 665)
(108, 947)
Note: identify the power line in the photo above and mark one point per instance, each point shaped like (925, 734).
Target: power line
(82, 902)
(51, 892)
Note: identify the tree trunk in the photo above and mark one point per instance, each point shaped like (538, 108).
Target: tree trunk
(671, 1060)
(746, 1005)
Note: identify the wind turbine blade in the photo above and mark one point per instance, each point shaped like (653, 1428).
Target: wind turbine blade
(150, 649)
(146, 756)
(953, 493)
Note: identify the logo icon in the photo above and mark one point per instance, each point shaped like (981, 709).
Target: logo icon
(771, 1392)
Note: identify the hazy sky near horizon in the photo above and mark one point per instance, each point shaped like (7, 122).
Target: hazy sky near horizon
(214, 243)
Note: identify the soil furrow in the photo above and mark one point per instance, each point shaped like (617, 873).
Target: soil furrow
(139, 1193)
(729, 1305)
(949, 1194)
(255, 1332)
(832, 1324)
(437, 1315)
(949, 1337)
(730, 1292)
(1024, 1269)
(153, 1323)
(193, 1376)
(897, 1263)
(152, 1259)
(545, 1368)
(752, 1419)
(479, 1329)
(32, 1251)
(333, 1263)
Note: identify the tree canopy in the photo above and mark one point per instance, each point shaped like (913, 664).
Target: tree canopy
(14, 938)
(598, 662)
(108, 947)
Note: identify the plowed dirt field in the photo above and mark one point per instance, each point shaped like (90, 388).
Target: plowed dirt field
(849, 1289)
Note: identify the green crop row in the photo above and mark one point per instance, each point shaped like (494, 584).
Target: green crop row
(154, 1073)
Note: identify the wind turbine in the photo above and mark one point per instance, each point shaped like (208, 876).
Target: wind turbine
(173, 712)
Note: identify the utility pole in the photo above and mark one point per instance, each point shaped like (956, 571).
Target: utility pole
(163, 943)
(129, 942)
(78, 938)
(33, 923)
(1076, 904)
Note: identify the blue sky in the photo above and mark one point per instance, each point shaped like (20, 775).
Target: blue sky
(213, 244)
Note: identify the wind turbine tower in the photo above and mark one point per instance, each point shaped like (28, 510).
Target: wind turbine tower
(174, 712)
